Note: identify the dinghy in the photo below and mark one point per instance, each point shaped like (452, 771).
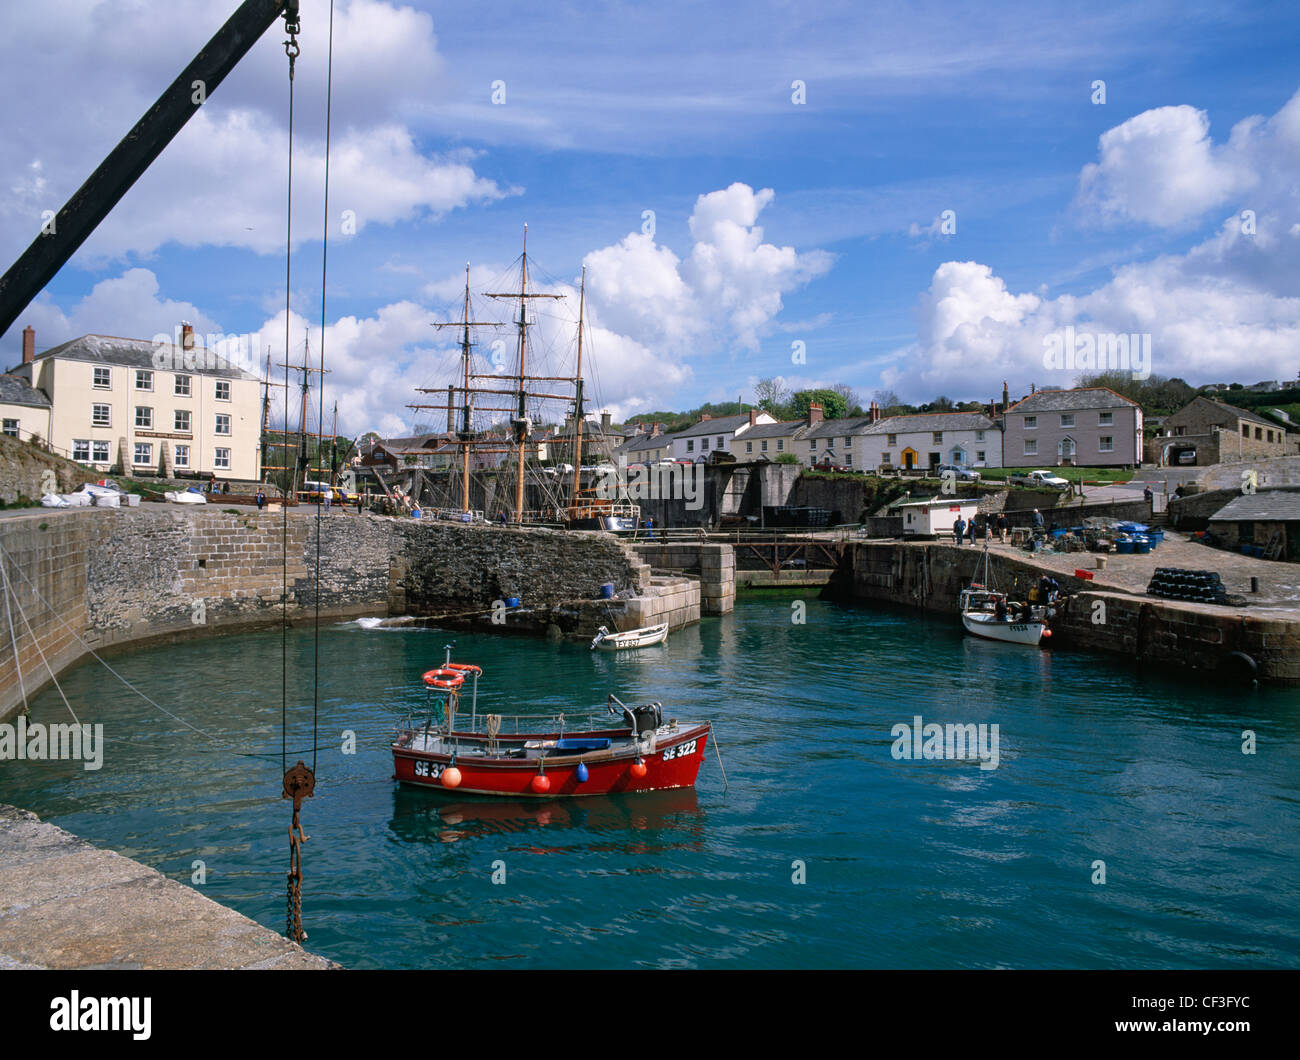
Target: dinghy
(988, 613)
(633, 638)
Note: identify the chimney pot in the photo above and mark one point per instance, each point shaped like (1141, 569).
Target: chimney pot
(29, 344)
(705, 416)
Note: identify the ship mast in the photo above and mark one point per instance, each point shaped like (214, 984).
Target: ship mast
(520, 423)
(578, 414)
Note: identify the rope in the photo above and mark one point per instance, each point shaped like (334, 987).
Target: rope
(320, 430)
(18, 666)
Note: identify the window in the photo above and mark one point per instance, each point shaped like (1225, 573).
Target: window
(891, 440)
(100, 452)
(223, 424)
(1031, 447)
(182, 386)
(143, 454)
(749, 447)
(704, 442)
(979, 436)
(780, 445)
(1031, 423)
(223, 389)
(812, 443)
(103, 379)
(182, 456)
(763, 444)
(1259, 435)
(144, 380)
(690, 445)
(721, 444)
(848, 442)
(101, 415)
(938, 437)
(1106, 443)
(183, 420)
(81, 450)
(979, 455)
(221, 458)
(1245, 430)
(886, 460)
(143, 418)
(11, 428)
(1067, 419)
(848, 459)
(1105, 419)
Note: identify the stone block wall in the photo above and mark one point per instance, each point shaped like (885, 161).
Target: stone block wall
(714, 564)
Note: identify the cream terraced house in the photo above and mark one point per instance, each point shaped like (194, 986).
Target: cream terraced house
(145, 407)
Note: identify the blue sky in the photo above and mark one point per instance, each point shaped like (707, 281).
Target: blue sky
(775, 222)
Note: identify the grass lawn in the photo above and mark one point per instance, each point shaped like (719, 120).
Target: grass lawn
(1106, 476)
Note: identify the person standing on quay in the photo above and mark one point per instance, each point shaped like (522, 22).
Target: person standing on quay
(261, 499)
(971, 527)
(959, 529)
(1003, 525)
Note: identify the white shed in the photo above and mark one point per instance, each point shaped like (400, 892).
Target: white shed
(933, 517)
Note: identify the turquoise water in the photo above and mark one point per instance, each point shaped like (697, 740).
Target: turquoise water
(929, 864)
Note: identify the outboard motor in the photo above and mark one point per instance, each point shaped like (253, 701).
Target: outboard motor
(648, 717)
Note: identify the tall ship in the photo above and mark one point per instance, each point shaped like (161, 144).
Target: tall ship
(494, 421)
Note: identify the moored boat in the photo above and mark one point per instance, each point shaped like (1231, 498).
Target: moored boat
(633, 638)
(522, 756)
(988, 613)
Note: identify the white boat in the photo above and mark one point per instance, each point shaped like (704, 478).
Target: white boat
(633, 638)
(981, 615)
(185, 497)
(988, 613)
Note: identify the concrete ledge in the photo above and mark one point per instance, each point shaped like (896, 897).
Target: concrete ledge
(66, 904)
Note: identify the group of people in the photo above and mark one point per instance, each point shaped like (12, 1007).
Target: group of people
(981, 525)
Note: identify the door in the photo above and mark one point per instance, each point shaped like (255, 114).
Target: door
(1065, 450)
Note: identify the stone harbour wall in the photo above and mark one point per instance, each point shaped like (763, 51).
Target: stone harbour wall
(94, 578)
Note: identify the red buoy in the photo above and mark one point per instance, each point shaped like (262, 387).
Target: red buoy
(638, 769)
(451, 777)
(1047, 633)
(541, 783)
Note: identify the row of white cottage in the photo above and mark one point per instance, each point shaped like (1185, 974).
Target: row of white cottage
(962, 438)
(1086, 426)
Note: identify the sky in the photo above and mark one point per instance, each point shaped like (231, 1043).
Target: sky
(904, 197)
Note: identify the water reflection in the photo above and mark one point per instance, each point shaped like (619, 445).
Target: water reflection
(428, 816)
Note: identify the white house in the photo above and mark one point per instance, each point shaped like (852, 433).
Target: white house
(713, 435)
(967, 439)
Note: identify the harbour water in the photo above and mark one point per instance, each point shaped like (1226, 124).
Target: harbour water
(903, 863)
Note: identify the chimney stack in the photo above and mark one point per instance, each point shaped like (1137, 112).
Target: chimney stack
(187, 335)
(753, 417)
(874, 412)
(29, 344)
(1006, 395)
(814, 414)
(706, 416)
(655, 429)
(604, 423)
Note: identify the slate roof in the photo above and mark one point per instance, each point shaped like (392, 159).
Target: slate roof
(139, 353)
(934, 421)
(15, 390)
(1232, 410)
(638, 442)
(1268, 506)
(719, 425)
(1076, 400)
(834, 428)
(784, 429)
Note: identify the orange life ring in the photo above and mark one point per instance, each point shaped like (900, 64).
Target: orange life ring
(465, 668)
(442, 678)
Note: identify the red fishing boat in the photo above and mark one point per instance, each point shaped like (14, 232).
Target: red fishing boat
(620, 749)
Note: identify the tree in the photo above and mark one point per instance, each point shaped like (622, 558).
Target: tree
(771, 395)
(852, 403)
(834, 407)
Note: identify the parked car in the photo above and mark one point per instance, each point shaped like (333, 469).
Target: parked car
(962, 474)
(1038, 480)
